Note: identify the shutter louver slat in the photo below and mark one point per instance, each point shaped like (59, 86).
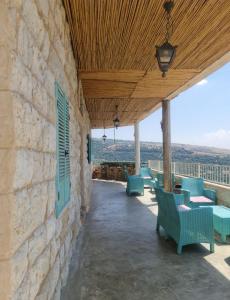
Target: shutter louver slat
(63, 160)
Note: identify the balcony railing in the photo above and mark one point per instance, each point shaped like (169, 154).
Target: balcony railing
(213, 173)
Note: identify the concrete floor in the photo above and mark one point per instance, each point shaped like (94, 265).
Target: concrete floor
(119, 256)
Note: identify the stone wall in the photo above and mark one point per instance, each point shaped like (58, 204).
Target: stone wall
(36, 247)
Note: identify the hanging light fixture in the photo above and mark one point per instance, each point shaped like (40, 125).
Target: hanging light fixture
(166, 52)
(104, 137)
(116, 121)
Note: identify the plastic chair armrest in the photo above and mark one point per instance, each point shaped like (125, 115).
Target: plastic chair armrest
(211, 194)
(180, 199)
(197, 217)
(186, 194)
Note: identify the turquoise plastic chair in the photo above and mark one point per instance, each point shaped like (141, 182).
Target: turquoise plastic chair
(146, 174)
(135, 184)
(184, 224)
(158, 182)
(195, 193)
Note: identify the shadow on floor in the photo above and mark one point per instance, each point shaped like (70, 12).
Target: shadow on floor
(119, 256)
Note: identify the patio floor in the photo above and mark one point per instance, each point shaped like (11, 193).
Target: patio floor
(119, 256)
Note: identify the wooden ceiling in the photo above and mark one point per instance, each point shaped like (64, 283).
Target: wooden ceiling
(114, 45)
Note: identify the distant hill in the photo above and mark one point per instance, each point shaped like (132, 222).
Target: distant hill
(124, 151)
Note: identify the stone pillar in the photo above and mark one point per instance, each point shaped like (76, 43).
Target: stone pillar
(166, 145)
(137, 148)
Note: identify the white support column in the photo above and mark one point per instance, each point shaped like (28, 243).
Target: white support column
(137, 148)
(167, 159)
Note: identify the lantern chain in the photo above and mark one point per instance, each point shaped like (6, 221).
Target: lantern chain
(169, 23)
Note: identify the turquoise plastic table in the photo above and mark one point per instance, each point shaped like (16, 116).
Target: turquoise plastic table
(221, 220)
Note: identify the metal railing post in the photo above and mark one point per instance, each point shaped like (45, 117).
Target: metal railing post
(198, 171)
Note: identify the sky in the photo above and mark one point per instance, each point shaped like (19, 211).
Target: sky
(199, 116)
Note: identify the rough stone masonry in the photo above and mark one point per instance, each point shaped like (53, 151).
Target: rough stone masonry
(35, 246)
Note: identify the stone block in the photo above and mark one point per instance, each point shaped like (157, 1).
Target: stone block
(6, 119)
(59, 18)
(28, 212)
(24, 168)
(43, 8)
(37, 243)
(6, 65)
(51, 25)
(7, 167)
(56, 67)
(72, 215)
(28, 125)
(65, 273)
(68, 242)
(51, 102)
(49, 285)
(33, 21)
(39, 97)
(52, 4)
(55, 247)
(19, 266)
(38, 65)
(21, 80)
(51, 197)
(58, 227)
(59, 48)
(38, 272)
(64, 227)
(57, 292)
(49, 137)
(8, 32)
(5, 234)
(23, 291)
(54, 276)
(49, 166)
(4, 279)
(62, 255)
(38, 167)
(46, 47)
(25, 44)
(51, 227)
(49, 83)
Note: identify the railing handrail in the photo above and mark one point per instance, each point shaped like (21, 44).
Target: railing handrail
(210, 172)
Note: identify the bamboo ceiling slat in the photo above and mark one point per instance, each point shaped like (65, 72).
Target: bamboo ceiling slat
(107, 88)
(114, 44)
(120, 75)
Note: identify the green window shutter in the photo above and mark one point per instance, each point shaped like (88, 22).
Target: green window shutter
(67, 153)
(89, 148)
(63, 155)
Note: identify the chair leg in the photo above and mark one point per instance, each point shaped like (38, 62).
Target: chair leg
(223, 238)
(158, 226)
(179, 249)
(212, 247)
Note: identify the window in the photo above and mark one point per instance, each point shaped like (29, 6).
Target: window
(89, 150)
(63, 156)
